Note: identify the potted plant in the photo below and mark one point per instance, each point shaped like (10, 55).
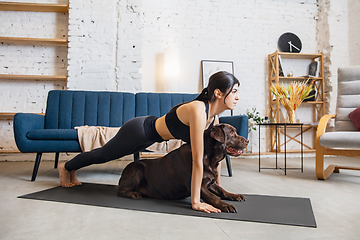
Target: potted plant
(291, 96)
(254, 118)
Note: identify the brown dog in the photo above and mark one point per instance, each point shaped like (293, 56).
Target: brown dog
(169, 177)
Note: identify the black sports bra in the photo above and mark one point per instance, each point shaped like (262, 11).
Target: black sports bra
(178, 129)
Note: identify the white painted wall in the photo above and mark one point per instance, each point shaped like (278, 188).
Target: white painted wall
(338, 39)
(354, 33)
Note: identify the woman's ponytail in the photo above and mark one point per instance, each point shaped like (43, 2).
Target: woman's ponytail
(204, 95)
(223, 81)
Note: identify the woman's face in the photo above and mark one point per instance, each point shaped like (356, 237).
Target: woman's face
(232, 98)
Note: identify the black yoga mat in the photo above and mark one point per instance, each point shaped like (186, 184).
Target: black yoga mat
(256, 208)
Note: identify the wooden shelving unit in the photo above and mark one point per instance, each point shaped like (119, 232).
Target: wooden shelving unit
(33, 7)
(9, 115)
(318, 104)
(9, 151)
(30, 7)
(33, 41)
(6, 116)
(296, 78)
(33, 77)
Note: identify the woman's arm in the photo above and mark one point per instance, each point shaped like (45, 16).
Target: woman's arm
(218, 180)
(197, 123)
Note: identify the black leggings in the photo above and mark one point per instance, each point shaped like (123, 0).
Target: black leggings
(131, 138)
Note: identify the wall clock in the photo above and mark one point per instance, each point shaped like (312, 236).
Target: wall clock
(289, 42)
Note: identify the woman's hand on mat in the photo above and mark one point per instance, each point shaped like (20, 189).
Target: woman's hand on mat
(204, 207)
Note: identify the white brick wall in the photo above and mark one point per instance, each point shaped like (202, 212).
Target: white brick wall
(129, 45)
(244, 32)
(120, 46)
(105, 45)
(22, 95)
(33, 60)
(92, 43)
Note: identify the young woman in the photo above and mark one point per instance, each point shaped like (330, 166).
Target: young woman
(187, 122)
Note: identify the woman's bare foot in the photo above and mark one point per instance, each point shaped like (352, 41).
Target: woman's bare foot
(73, 178)
(64, 176)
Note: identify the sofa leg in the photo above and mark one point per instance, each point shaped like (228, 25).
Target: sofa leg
(136, 156)
(228, 164)
(36, 166)
(56, 160)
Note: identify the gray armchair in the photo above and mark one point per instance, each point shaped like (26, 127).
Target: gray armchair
(345, 140)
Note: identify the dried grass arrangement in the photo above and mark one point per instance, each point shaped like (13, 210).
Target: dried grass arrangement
(292, 95)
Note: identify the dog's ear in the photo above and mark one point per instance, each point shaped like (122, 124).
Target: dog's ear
(218, 133)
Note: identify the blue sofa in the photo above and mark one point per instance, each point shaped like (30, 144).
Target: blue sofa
(67, 109)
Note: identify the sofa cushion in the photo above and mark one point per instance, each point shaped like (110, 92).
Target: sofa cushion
(67, 109)
(52, 134)
(355, 118)
(158, 104)
(348, 97)
(340, 140)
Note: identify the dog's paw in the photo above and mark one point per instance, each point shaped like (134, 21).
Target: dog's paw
(129, 194)
(236, 197)
(239, 197)
(228, 208)
(135, 196)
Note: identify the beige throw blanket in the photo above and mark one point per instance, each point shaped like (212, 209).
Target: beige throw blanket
(91, 137)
